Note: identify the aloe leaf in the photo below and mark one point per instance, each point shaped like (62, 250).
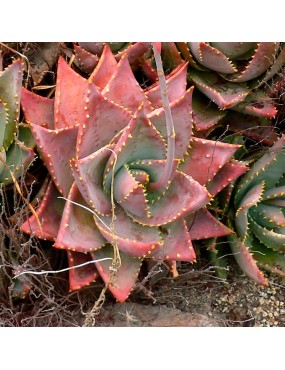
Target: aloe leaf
(105, 68)
(10, 93)
(268, 259)
(87, 61)
(104, 122)
(251, 198)
(224, 93)
(57, 148)
(203, 225)
(49, 215)
(177, 245)
(37, 109)
(245, 260)
(268, 169)
(18, 159)
(130, 194)
(257, 104)
(182, 122)
(134, 53)
(170, 55)
(233, 50)
(80, 276)
(183, 196)
(88, 174)
(261, 60)
(227, 174)
(204, 119)
(126, 275)
(176, 87)
(123, 88)
(209, 155)
(185, 52)
(78, 231)
(269, 238)
(211, 58)
(70, 97)
(277, 192)
(131, 237)
(275, 67)
(256, 128)
(267, 215)
(140, 140)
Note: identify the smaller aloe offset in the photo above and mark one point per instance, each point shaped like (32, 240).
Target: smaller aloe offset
(228, 76)
(259, 215)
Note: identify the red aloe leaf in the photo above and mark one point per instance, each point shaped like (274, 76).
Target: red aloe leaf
(206, 158)
(70, 97)
(130, 194)
(251, 198)
(202, 225)
(104, 70)
(204, 119)
(49, 214)
(126, 276)
(211, 58)
(80, 276)
(78, 231)
(177, 245)
(140, 140)
(181, 114)
(123, 88)
(227, 174)
(105, 120)
(225, 94)
(131, 237)
(176, 87)
(261, 60)
(134, 52)
(183, 196)
(148, 71)
(37, 109)
(246, 261)
(257, 104)
(57, 147)
(88, 173)
(87, 61)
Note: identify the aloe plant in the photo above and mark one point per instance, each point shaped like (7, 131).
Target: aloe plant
(16, 152)
(230, 77)
(106, 145)
(259, 215)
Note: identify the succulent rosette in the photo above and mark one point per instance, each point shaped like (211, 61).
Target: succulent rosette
(228, 77)
(259, 215)
(104, 142)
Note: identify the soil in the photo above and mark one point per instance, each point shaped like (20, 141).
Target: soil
(199, 298)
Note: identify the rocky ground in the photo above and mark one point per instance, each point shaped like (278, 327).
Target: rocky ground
(199, 298)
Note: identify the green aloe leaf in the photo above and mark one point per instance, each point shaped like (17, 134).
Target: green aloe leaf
(225, 94)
